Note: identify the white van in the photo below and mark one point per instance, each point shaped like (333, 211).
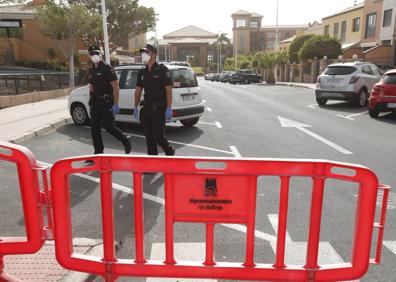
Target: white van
(187, 102)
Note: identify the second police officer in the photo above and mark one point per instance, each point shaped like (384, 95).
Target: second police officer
(156, 82)
(104, 96)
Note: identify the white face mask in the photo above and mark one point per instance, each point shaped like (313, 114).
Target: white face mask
(145, 58)
(95, 59)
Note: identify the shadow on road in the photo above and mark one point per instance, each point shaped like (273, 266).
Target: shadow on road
(342, 107)
(387, 118)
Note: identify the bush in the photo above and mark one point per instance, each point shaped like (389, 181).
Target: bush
(296, 45)
(319, 46)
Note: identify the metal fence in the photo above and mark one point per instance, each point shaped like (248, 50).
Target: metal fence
(30, 81)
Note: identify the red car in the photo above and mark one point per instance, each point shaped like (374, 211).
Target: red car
(383, 95)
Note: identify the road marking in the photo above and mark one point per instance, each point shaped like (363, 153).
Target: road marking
(296, 251)
(183, 252)
(313, 106)
(203, 101)
(190, 145)
(218, 124)
(391, 200)
(209, 109)
(391, 245)
(235, 152)
(300, 126)
(352, 115)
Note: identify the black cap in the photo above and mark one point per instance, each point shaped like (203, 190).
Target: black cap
(94, 49)
(149, 47)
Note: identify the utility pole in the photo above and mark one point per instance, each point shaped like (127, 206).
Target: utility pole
(236, 50)
(277, 37)
(105, 34)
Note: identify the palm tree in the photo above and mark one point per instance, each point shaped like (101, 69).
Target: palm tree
(219, 44)
(268, 62)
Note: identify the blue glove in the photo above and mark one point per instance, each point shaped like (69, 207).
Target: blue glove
(115, 109)
(168, 113)
(136, 113)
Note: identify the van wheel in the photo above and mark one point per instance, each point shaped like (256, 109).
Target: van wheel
(362, 99)
(321, 101)
(79, 114)
(190, 122)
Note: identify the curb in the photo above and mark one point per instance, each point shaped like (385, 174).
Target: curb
(40, 131)
(96, 251)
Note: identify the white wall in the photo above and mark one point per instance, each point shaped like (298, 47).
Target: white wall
(387, 32)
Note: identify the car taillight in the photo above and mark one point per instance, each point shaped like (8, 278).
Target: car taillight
(354, 79)
(377, 90)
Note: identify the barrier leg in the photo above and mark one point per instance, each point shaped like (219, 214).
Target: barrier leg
(4, 277)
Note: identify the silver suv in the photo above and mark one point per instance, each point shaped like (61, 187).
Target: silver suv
(347, 82)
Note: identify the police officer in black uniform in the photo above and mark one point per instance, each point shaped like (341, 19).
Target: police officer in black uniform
(104, 95)
(157, 105)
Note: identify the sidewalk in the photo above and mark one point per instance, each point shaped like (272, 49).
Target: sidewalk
(297, 84)
(16, 125)
(26, 121)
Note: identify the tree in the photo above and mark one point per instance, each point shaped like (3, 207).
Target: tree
(319, 46)
(125, 19)
(296, 45)
(268, 61)
(219, 44)
(66, 23)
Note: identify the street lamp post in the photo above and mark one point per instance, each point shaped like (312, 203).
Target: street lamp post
(277, 37)
(155, 35)
(105, 34)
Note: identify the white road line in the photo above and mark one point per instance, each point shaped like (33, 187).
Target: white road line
(183, 252)
(158, 200)
(209, 109)
(190, 145)
(352, 115)
(296, 251)
(327, 142)
(391, 245)
(235, 152)
(218, 124)
(206, 123)
(203, 101)
(313, 106)
(288, 123)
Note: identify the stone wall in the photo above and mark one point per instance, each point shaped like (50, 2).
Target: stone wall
(15, 100)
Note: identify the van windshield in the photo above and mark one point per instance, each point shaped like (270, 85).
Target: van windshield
(339, 70)
(183, 78)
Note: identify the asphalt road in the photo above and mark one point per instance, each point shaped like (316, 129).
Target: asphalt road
(241, 120)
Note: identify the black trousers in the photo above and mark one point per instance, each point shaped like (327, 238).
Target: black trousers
(101, 114)
(152, 119)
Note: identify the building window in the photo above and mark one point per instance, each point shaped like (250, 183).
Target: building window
(240, 23)
(370, 25)
(335, 33)
(210, 59)
(356, 25)
(326, 30)
(387, 18)
(270, 44)
(271, 35)
(254, 24)
(287, 35)
(343, 31)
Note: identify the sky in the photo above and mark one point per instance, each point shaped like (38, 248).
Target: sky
(215, 15)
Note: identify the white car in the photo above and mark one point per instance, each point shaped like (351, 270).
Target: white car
(187, 102)
(348, 82)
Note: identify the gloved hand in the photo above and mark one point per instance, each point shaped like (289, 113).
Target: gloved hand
(168, 113)
(115, 109)
(136, 113)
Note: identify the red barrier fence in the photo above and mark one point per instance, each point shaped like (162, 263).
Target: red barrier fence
(208, 191)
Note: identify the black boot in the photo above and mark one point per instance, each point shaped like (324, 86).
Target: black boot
(127, 145)
(170, 151)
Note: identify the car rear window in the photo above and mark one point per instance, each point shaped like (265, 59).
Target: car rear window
(390, 78)
(339, 70)
(183, 78)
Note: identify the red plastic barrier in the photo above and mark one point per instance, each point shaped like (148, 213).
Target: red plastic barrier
(213, 191)
(30, 194)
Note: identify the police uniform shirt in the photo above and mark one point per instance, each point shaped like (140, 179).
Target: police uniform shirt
(101, 78)
(153, 82)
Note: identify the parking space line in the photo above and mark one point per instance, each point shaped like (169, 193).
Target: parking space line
(209, 109)
(190, 145)
(352, 115)
(235, 152)
(218, 124)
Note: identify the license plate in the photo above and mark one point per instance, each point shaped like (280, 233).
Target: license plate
(188, 98)
(392, 105)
